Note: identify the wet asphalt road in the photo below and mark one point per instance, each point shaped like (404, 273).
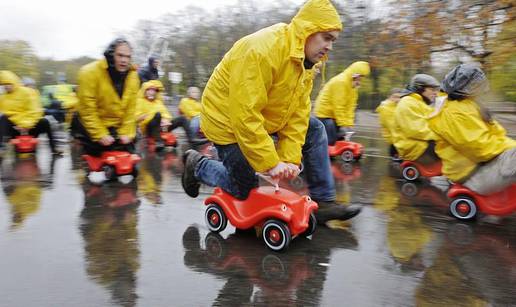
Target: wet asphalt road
(65, 241)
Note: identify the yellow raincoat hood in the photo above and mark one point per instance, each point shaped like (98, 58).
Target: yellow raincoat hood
(148, 107)
(338, 99)
(8, 77)
(261, 87)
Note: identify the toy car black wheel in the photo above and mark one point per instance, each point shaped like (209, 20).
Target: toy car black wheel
(214, 245)
(276, 235)
(409, 189)
(215, 218)
(109, 172)
(463, 208)
(410, 173)
(312, 225)
(347, 156)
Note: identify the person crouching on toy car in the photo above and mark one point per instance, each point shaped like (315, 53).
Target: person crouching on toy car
(412, 136)
(336, 103)
(474, 147)
(107, 101)
(386, 116)
(153, 115)
(262, 87)
(22, 112)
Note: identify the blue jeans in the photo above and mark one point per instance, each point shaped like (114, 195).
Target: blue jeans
(234, 174)
(331, 130)
(195, 126)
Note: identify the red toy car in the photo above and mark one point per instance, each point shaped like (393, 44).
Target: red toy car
(113, 163)
(465, 203)
(347, 150)
(280, 213)
(412, 171)
(169, 139)
(24, 143)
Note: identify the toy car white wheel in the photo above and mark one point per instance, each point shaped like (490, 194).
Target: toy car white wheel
(463, 208)
(214, 245)
(409, 189)
(410, 173)
(347, 156)
(312, 225)
(109, 172)
(346, 168)
(276, 235)
(215, 218)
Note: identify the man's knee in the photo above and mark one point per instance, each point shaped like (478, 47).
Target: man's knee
(316, 132)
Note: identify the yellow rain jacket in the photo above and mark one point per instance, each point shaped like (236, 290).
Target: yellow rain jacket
(412, 133)
(100, 107)
(338, 99)
(150, 108)
(261, 87)
(190, 107)
(385, 112)
(22, 106)
(466, 139)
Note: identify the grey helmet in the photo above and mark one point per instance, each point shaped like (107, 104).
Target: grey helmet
(420, 81)
(465, 80)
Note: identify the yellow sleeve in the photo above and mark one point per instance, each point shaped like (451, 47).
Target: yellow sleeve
(87, 106)
(413, 123)
(292, 136)
(248, 85)
(33, 111)
(128, 126)
(341, 99)
(163, 110)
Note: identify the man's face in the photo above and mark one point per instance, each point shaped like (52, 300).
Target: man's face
(357, 81)
(122, 57)
(319, 44)
(155, 64)
(150, 93)
(195, 93)
(430, 93)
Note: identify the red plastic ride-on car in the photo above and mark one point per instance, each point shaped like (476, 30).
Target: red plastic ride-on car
(280, 213)
(465, 204)
(168, 137)
(412, 171)
(347, 150)
(114, 163)
(24, 143)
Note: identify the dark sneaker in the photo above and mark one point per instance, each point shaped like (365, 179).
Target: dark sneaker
(330, 210)
(191, 184)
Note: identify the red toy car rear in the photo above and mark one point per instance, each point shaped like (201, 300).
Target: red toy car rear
(412, 171)
(465, 203)
(24, 143)
(347, 150)
(281, 214)
(113, 163)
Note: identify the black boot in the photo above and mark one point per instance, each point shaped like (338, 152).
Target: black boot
(191, 184)
(330, 210)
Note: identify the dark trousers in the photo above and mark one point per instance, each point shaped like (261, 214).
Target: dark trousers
(331, 130)
(42, 126)
(429, 156)
(94, 148)
(154, 126)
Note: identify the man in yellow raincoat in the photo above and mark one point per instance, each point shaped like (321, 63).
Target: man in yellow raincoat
(336, 103)
(107, 101)
(152, 115)
(190, 107)
(412, 136)
(474, 148)
(386, 116)
(21, 111)
(262, 87)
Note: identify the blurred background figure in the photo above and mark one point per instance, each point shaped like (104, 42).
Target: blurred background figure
(386, 115)
(150, 71)
(190, 107)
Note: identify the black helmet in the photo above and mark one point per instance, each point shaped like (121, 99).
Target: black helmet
(420, 81)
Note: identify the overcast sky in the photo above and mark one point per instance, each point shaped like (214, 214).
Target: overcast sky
(67, 29)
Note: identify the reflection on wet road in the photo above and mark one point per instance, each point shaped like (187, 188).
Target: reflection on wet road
(64, 241)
